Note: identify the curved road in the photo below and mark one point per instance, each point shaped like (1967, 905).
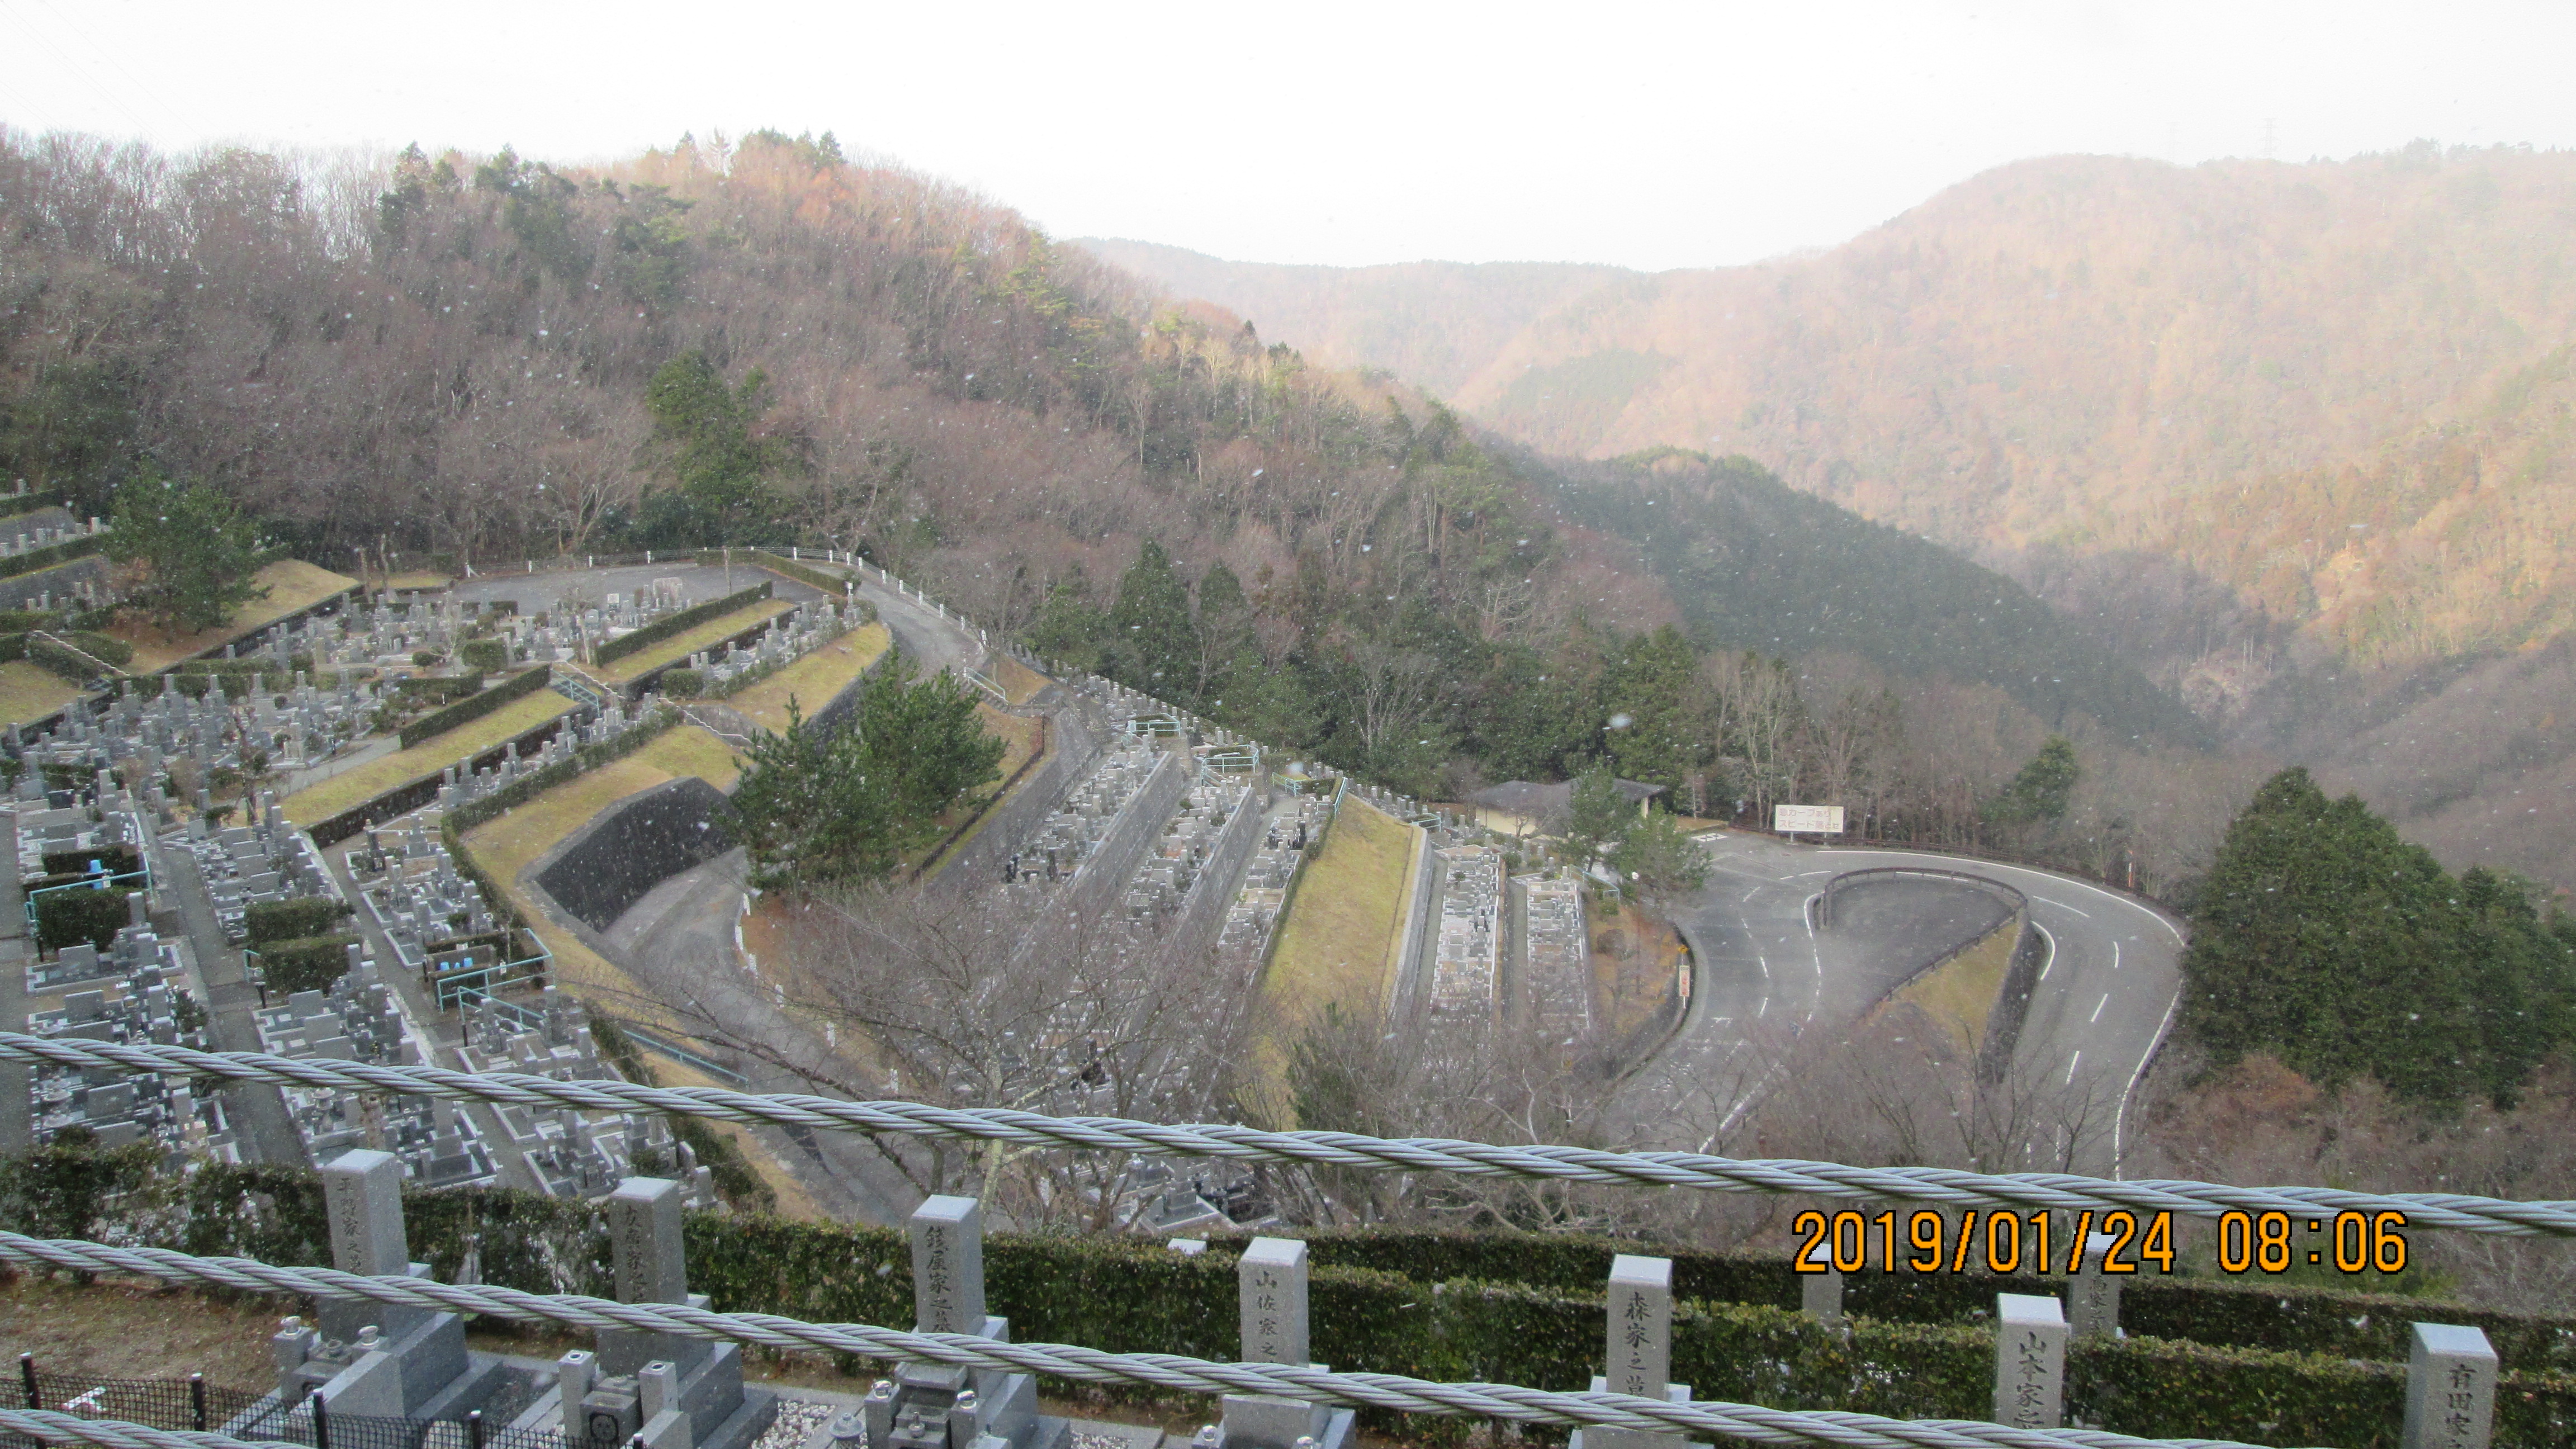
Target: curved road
(2106, 994)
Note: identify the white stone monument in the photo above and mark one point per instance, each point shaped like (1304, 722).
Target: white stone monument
(2450, 1388)
(2030, 1361)
(1271, 1279)
(2093, 1300)
(1638, 1352)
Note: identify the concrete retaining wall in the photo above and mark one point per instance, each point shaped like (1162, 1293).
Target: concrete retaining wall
(1407, 985)
(1102, 877)
(1071, 749)
(1203, 911)
(634, 846)
(21, 592)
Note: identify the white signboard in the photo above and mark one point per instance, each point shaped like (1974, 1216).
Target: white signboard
(1807, 819)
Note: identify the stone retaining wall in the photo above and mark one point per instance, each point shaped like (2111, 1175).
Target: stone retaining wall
(1102, 878)
(1203, 911)
(634, 846)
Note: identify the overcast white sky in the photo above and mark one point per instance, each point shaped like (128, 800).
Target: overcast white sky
(1647, 135)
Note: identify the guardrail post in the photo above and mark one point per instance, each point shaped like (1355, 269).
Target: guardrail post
(27, 1380)
(2450, 1388)
(2030, 1361)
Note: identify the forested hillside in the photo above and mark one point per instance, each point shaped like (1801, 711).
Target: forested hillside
(2294, 439)
(451, 360)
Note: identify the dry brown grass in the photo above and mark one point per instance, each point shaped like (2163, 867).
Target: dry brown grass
(28, 692)
(292, 584)
(682, 645)
(815, 680)
(352, 788)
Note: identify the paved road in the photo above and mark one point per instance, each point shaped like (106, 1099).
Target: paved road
(2106, 993)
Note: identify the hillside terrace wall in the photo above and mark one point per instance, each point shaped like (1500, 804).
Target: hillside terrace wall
(1102, 877)
(24, 590)
(1071, 752)
(634, 846)
(1203, 911)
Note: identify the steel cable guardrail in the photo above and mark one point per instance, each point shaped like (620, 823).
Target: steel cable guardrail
(2020, 1191)
(1168, 1371)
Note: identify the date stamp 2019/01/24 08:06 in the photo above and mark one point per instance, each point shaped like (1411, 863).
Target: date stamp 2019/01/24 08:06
(2118, 1242)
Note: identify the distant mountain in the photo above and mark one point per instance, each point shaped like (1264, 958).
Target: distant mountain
(1754, 564)
(2275, 376)
(1434, 324)
(2298, 440)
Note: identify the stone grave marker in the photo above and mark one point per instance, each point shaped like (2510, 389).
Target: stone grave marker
(2450, 1388)
(2030, 1361)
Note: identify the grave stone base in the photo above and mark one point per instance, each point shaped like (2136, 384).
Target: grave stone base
(1601, 1438)
(1005, 1411)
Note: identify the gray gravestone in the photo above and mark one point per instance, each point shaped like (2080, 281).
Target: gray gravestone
(1820, 1297)
(2093, 1299)
(362, 1196)
(948, 1266)
(2030, 1361)
(644, 1231)
(2450, 1388)
(1638, 1350)
(1271, 1279)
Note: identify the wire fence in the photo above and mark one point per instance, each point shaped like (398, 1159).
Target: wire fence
(2454, 1212)
(193, 1405)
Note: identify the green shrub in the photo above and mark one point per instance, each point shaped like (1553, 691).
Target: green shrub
(119, 860)
(683, 683)
(426, 658)
(673, 625)
(491, 656)
(518, 686)
(36, 561)
(69, 917)
(309, 963)
(267, 921)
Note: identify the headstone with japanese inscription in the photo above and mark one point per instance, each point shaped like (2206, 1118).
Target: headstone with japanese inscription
(2093, 1299)
(669, 1389)
(1637, 1351)
(369, 1357)
(2030, 1361)
(2450, 1388)
(1271, 1279)
(942, 1406)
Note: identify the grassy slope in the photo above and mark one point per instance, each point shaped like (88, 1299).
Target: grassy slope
(355, 787)
(292, 584)
(814, 680)
(681, 646)
(1339, 937)
(510, 844)
(28, 692)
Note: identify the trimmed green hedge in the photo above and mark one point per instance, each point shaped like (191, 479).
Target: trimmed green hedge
(1131, 1295)
(119, 860)
(267, 921)
(15, 504)
(53, 555)
(490, 656)
(682, 683)
(307, 963)
(67, 918)
(673, 625)
(55, 659)
(831, 584)
(529, 786)
(465, 711)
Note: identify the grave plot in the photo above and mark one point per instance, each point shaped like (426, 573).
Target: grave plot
(359, 1018)
(571, 1154)
(722, 670)
(247, 865)
(1463, 966)
(136, 992)
(1555, 944)
(1254, 918)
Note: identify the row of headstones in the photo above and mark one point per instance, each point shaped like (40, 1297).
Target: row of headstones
(677, 1392)
(2450, 1370)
